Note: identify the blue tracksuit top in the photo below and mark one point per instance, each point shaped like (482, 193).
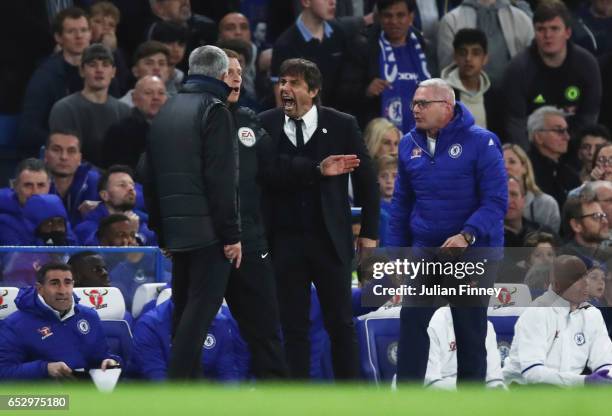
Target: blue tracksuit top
(462, 187)
(33, 336)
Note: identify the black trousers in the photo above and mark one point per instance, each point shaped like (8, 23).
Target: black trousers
(470, 325)
(299, 260)
(251, 297)
(199, 281)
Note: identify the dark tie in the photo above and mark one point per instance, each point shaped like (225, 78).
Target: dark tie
(299, 134)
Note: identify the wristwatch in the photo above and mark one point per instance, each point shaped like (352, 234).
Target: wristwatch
(469, 238)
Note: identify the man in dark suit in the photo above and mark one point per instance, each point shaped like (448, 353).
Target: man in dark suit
(304, 168)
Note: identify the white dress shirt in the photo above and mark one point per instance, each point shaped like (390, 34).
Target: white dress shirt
(309, 126)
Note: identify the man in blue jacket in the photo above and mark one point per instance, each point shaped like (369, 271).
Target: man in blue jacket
(51, 335)
(451, 193)
(152, 347)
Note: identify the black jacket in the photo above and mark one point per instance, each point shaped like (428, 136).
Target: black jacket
(193, 168)
(125, 140)
(249, 133)
(283, 175)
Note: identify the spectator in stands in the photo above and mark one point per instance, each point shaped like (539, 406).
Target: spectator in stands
(551, 72)
(126, 140)
(51, 335)
(387, 172)
(596, 15)
(591, 137)
(150, 59)
(31, 178)
(541, 251)
(201, 29)
(385, 66)
(586, 226)
(596, 283)
(509, 31)
(92, 111)
(89, 269)
(540, 207)
(467, 77)
(116, 230)
(560, 334)
(152, 339)
(236, 26)
(548, 134)
(56, 78)
(118, 194)
(316, 37)
(174, 36)
(442, 362)
(104, 17)
(73, 180)
(381, 138)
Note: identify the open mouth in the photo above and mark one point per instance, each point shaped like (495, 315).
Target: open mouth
(288, 102)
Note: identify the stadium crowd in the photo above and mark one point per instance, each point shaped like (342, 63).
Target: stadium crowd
(98, 81)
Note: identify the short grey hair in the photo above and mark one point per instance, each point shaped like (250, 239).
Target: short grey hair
(591, 188)
(535, 122)
(440, 86)
(208, 60)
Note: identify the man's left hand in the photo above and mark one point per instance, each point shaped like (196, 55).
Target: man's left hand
(455, 241)
(365, 243)
(108, 363)
(339, 165)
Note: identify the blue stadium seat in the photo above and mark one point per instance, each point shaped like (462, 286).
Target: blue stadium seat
(378, 339)
(119, 337)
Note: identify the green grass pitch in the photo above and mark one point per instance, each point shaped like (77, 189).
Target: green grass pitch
(314, 400)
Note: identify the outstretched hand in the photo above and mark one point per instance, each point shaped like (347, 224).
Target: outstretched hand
(339, 164)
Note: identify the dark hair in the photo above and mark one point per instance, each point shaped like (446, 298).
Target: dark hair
(32, 164)
(572, 209)
(598, 130)
(239, 46)
(548, 10)
(309, 71)
(105, 8)
(65, 131)
(78, 257)
(57, 26)
(103, 181)
(107, 222)
(41, 273)
(148, 48)
(469, 36)
(383, 4)
(168, 32)
(537, 237)
(598, 149)
(231, 54)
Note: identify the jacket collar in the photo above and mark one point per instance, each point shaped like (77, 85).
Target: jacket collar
(203, 83)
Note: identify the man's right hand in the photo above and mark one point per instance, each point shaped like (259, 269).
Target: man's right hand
(339, 165)
(598, 377)
(59, 370)
(377, 86)
(233, 252)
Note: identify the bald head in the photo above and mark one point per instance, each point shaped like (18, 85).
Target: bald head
(149, 95)
(234, 26)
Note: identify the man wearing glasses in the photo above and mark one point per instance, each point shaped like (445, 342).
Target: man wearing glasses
(451, 193)
(549, 137)
(586, 224)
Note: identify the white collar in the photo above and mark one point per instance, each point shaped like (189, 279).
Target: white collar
(310, 118)
(61, 318)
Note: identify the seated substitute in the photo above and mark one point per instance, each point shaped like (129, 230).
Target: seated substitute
(560, 334)
(51, 335)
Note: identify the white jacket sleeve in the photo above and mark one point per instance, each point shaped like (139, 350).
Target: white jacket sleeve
(600, 354)
(433, 375)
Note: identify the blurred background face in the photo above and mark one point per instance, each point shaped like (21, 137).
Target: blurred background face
(120, 234)
(323, 9)
(389, 143)
(604, 162)
(149, 95)
(120, 192)
(513, 164)
(91, 271)
(234, 26)
(174, 10)
(470, 60)
(97, 74)
(596, 283)
(602, 7)
(177, 52)
(551, 36)
(386, 180)
(30, 183)
(586, 151)
(604, 198)
(395, 21)
(554, 137)
(593, 227)
(63, 155)
(234, 80)
(102, 25)
(156, 64)
(75, 36)
(543, 253)
(516, 201)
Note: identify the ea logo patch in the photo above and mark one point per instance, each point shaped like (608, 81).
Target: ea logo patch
(579, 338)
(392, 353)
(210, 342)
(455, 151)
(83, 326)
(246, 136)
